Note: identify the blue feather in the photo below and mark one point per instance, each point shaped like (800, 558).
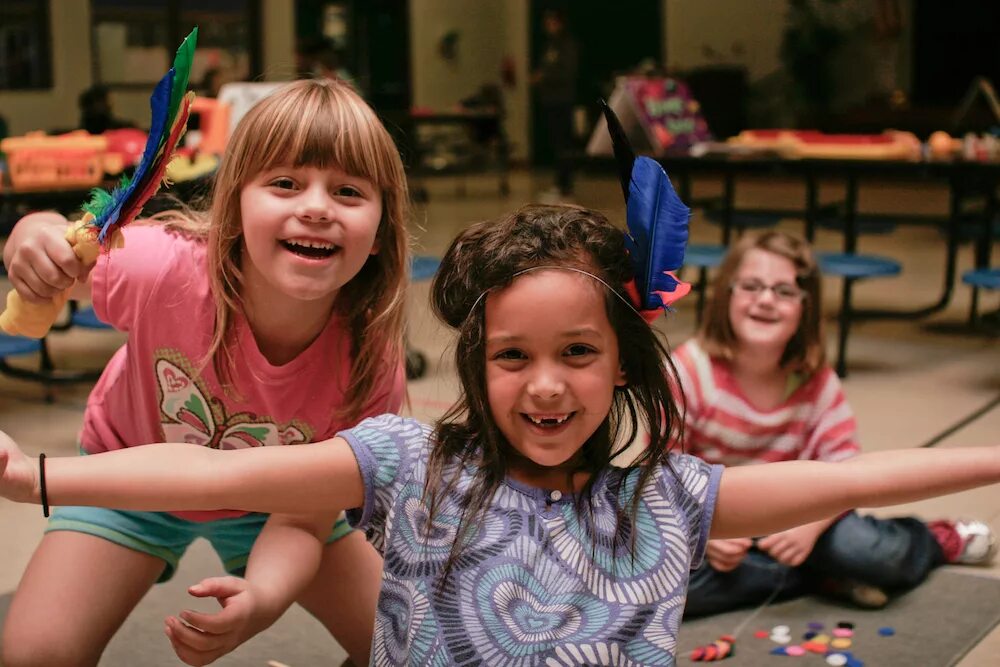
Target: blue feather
(159, 103)
(657, 230)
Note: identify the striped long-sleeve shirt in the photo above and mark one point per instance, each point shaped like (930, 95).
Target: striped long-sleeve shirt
(721, 425)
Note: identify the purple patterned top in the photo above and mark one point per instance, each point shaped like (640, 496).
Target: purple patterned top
(536, 585)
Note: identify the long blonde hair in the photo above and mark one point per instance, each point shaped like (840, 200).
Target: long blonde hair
(319, 123)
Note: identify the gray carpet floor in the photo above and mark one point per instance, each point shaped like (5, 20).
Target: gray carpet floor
(935, 624)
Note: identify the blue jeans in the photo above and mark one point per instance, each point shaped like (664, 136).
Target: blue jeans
(892, 554)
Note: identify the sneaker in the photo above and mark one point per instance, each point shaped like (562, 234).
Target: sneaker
(862, 595)
(867, 596)
(965, 541)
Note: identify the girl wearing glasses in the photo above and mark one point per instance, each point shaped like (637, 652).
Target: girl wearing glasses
(758, 390)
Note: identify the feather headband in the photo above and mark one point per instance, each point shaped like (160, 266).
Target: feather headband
(657, 226)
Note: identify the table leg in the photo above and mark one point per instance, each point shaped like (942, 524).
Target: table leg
(728, 205)
(812, 198)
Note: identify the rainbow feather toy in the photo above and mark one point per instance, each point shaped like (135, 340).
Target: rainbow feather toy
(106, 213)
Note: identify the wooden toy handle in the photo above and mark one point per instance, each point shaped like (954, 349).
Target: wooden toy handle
(34, 320)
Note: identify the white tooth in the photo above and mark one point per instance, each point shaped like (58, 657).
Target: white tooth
(312, 244)
(541, 420)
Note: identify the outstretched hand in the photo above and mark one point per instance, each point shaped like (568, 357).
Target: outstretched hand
(18, 473)
(199, 638)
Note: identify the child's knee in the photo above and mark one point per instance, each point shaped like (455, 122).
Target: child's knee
(33, 647)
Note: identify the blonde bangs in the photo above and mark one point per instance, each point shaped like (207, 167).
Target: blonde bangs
(316, 124)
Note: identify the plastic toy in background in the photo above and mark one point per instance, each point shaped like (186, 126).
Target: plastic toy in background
(720, 649)
(128, 143)
(941, 145)
(74, 160)
(979, 147)
(106, 213)
(213, 127)
(890, 145)
(37, 161)
(656, 113)
(203, 147)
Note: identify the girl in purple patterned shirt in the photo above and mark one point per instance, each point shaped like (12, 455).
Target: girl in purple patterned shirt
(521, 530)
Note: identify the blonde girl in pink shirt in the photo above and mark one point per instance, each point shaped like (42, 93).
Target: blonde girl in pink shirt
(273, 318)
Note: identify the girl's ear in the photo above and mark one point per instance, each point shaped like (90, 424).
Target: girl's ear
(620, 379)
(377, 245)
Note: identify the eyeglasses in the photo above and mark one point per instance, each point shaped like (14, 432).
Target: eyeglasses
(754, 289)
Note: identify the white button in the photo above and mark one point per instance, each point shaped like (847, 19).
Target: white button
(555, 496)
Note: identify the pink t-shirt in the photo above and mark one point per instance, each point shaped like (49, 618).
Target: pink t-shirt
(157, 387)
(721, 425)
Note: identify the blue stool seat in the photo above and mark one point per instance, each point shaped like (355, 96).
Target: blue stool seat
(703, 255)
(982, 278)
(87, 318)
(854, 266)
(12, 346)
(423, 268)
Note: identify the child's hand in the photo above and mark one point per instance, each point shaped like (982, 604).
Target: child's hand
(41, 264)
(198, 638)
(726, 555)
(793, 546)
(18, 473)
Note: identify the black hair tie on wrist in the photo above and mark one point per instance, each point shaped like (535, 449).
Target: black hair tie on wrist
(41, 484)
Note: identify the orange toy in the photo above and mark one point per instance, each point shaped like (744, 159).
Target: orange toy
(75, 160)
(942, 145)
(214, 116)
(890, 145)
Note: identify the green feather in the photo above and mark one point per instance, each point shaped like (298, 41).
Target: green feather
(101, 200)
(182, 72)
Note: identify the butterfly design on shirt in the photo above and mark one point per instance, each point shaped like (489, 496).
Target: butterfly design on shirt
(188, 414)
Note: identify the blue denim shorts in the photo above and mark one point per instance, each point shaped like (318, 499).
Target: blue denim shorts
(168, 537)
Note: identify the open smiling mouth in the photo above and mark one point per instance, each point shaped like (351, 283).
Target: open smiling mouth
(311, 249)
(548, 422)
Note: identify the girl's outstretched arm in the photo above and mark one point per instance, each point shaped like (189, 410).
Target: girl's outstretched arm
(763, 499)
(291, 479)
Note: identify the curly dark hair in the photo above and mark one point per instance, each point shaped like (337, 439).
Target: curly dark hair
(487, 256)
